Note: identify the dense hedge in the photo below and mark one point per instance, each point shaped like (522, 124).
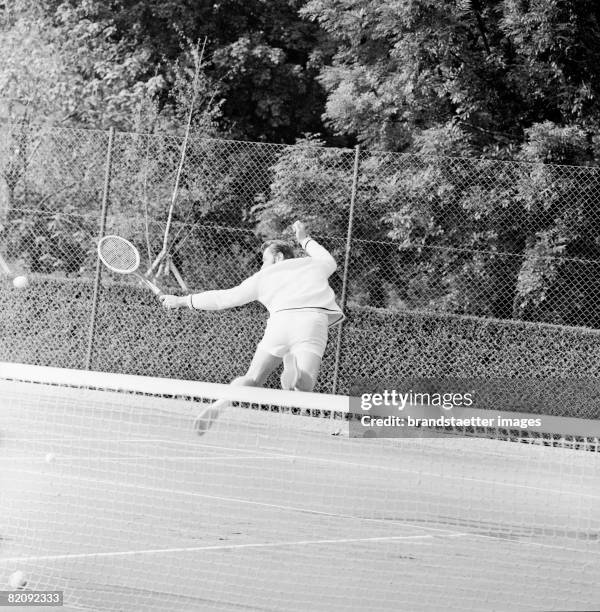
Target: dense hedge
(48, 324)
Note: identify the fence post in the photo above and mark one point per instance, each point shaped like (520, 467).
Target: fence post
(103, 213)
(338, 348)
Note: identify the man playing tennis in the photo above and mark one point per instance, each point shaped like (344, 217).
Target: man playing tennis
(301, 307)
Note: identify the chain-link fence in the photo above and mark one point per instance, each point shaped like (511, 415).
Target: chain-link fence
(411, 234)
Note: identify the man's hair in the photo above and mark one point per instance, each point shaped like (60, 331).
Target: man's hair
(278, 246)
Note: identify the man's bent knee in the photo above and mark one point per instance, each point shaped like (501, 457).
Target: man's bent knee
(305, 382)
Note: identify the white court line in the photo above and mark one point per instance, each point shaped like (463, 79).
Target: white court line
(63, 440)
(500, 483)
(455, 477)
(154, 551)
(239, 500)
(126, 458)
(442, 532)
(388, 468)
(532, 543)
(279, 451)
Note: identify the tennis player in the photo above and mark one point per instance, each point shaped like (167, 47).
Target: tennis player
(301, 307)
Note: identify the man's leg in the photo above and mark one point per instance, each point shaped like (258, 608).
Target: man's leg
(309, 365)
(300, 370)
(302, 363)
(263, 363)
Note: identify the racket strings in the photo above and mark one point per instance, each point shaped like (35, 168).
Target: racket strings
(119, 254)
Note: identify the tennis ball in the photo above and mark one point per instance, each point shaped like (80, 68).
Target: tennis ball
(20, 282)
(17, 580)
(50, 457)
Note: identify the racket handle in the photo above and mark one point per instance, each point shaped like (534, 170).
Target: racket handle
(157, 292)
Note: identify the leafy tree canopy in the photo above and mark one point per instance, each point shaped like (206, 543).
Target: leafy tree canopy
(391, 74)
(492, 67)
(258, 64)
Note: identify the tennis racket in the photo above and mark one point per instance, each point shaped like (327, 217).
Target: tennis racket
(120, 256)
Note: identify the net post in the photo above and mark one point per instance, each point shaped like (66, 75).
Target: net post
(344, 299)
(103, 213)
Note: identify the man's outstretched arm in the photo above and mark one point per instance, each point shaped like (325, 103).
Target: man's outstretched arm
(221, 299)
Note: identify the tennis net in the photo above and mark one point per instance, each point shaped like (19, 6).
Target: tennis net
(110, 496)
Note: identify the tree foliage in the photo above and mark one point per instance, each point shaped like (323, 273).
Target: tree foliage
(493, 67)
(110, 55)
(443, 86)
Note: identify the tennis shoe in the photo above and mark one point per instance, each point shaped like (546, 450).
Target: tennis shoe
(205, 420)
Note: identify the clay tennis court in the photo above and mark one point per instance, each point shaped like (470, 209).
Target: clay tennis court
(271, 511)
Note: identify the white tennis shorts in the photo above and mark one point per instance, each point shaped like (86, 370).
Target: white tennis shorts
(295, 330)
